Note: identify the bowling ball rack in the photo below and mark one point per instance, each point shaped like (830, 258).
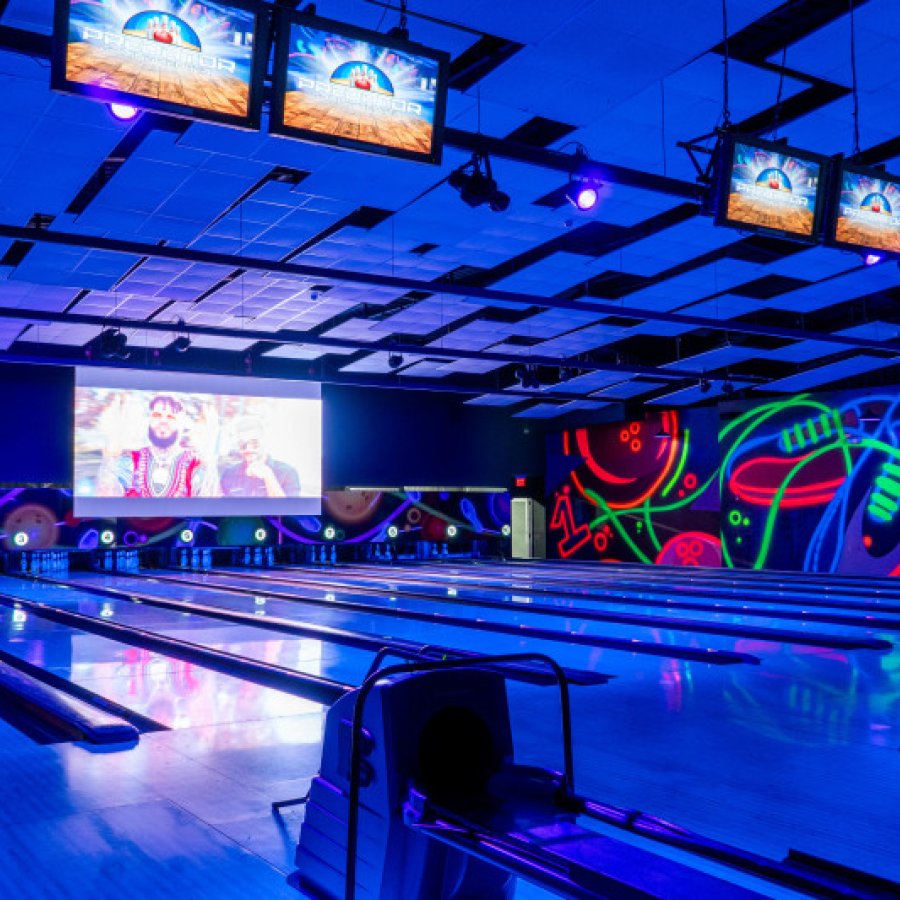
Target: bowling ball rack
(507, 819)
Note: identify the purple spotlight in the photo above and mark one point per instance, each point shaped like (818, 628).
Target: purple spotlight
(587, 198)
(583, 195)
(873, 259)
(122, 111)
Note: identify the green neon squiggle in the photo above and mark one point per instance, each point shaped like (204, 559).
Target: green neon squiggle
(758, 415)
(779, 496)
(614, 520)
(680, 467)
(648, 521)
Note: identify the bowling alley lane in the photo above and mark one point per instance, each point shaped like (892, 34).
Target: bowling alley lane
(521, 608)
(174, 692)
(546, 579)
(659, 601)
(644, 740)
(745, 582)
(437, 629)
(799, 670)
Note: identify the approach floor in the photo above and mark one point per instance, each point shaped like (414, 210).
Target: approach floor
(793, 743)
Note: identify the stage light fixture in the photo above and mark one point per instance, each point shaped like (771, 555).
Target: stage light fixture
(583, 194)
(123, 111)
(330, 533)
(705, 384)
(182, 340)
(475, 183)
(20, 538)
(583, 189)
(452, 531)
(259, 535)
(113, 344)
(187, 536)
(395, 360)
(393, 531)
(107, 537)
(505, 530)
(727, 386)
(872, 259)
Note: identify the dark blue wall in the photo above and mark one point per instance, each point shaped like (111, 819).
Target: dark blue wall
(412, 438)
(36, 435)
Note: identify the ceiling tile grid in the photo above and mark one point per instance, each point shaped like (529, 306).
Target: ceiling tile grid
(214, 189)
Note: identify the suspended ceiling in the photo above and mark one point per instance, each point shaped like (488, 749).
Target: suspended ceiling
(285, 258)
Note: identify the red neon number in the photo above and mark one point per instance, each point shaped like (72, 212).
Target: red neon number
(574, 537)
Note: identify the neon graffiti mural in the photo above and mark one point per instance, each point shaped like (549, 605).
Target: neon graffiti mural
(813, 483)
(356, 517)
(641, 491)
(810, 482)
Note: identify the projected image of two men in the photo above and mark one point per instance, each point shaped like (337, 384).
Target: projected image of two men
(166, 445)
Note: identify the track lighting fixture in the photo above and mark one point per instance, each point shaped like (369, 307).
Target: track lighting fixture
(704, 384)
(527, 376)
(583, 195)
(395, 360)
(182, 341)
(123, 111)
(476, 185)
(113, 344)
(583, 189)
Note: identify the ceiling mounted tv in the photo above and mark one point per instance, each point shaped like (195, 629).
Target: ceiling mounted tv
(866, 210)
(348, 87)
(769, 188)
(197, 60)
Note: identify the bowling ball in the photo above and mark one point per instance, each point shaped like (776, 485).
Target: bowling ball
(433, 528)
(37, 521)
(624, 463)
(691, 548)
(351, 507)
(150, 526)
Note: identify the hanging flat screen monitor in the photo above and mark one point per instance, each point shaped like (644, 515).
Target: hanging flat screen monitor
(866, 211)
(197, 60)
(340, 85)
(175, 444)
(769, 188)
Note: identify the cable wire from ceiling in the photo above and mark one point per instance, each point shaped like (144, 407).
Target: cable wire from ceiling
(726, 111)
(662, 103)
(776, 114)
(853, 74)
(402, 30)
